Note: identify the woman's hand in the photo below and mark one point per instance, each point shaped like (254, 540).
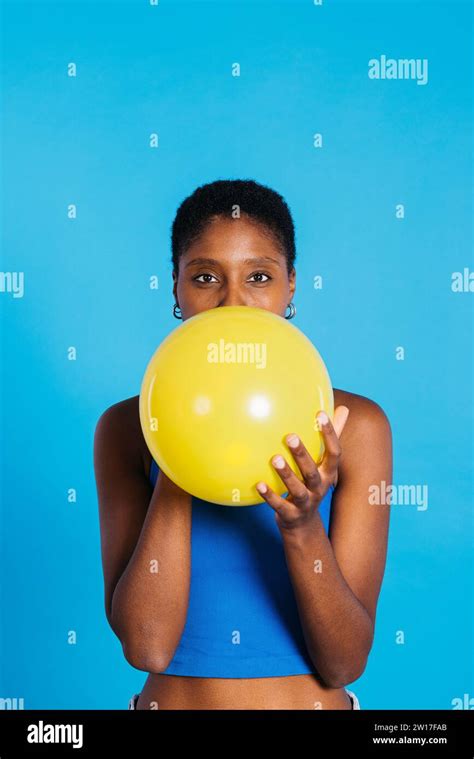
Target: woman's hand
(299, 507)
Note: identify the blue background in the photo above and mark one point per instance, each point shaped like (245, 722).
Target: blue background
(387, 283)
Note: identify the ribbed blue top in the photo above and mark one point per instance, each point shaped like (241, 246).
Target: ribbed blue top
(242, 616)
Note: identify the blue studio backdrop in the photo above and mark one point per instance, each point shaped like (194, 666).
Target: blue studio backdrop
(114, 112)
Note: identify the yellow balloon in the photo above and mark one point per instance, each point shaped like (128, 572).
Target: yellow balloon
(219, 396)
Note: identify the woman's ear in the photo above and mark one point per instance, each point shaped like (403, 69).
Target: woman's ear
(292, 281)
(175, 284)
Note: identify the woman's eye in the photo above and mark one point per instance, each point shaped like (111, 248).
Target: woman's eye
(197, 279)
(206, 278)
(261, 274)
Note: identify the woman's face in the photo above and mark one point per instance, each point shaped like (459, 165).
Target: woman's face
(233, 263)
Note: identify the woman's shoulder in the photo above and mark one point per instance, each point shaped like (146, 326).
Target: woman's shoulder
(359, 405)
(124, 412)
(367, 424)
(122, 420)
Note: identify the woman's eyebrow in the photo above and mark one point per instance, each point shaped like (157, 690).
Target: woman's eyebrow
(213, 261)
(201, 261)
(262, 260)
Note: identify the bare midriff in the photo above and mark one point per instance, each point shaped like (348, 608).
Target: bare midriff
(289, 692)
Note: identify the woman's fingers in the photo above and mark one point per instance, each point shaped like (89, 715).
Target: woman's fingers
(278, 504)
(340, 418)
(316, 478)
(305, 461)
(299, 493)
(331, 432)
(297, 490)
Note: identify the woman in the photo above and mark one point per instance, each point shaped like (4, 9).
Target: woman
(269, 606)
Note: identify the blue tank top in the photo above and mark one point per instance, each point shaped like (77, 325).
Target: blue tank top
(242, 618)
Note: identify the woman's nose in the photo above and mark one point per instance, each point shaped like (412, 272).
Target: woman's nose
(233, 299)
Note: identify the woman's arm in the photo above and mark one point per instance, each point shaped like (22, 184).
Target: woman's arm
(146, 546)
(337, 581)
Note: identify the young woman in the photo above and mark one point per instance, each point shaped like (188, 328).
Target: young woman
(270, 606)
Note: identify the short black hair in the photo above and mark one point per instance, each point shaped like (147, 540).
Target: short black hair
(219, 199)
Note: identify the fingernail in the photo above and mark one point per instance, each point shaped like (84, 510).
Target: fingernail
(293, 441)
(323, 417)
(261, 487)
(279, 462)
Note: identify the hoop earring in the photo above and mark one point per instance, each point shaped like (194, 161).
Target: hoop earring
(176, 315)
(292, 308)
